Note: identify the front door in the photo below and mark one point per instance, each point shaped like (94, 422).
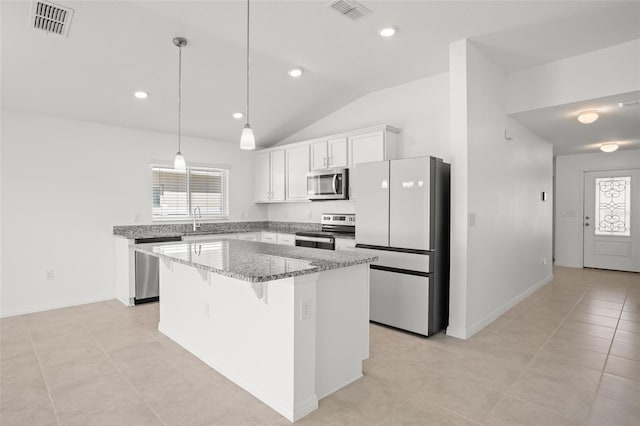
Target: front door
(612, 220)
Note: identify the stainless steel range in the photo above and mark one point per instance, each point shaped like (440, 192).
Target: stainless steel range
(333, 225)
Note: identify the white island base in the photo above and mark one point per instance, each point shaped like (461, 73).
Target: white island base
(289, 342)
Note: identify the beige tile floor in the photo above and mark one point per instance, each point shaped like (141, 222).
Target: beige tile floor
(567, 355)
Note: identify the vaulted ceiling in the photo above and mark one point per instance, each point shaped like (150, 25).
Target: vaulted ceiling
(116, 47)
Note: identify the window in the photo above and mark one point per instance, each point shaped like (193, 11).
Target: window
(176, 193)
(613, 206)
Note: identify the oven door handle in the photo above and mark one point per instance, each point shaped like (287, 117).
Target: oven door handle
(315, 239)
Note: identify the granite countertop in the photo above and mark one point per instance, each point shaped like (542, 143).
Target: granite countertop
(133, 232)
(252, 261)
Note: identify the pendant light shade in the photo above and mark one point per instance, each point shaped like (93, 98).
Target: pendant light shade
(247, 139)
(178, 161)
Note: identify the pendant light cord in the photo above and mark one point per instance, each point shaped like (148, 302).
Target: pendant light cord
(179, 96)
(248, 61)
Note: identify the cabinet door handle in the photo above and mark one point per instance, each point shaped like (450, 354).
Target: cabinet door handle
(324, 161)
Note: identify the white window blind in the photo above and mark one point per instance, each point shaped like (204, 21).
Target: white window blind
(176, 193)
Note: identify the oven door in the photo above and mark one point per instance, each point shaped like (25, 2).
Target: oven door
(324, 243)
(327, 185)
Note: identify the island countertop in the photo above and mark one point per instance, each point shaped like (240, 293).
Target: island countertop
(252, 261)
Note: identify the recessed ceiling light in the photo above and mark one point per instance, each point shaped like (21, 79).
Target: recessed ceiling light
(141, 94)
(609, 147)
(587, 117)
(238, 115)
(296, 72)
(388, 31)
(629, 103)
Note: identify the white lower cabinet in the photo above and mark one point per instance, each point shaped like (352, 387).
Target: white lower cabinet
(268, 237)
(278, 238)
(286, 239)
(249, 236)
(345, 244)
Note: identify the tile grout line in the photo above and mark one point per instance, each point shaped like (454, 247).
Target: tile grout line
(44, 378)
(124, 376)
(505, 393)
(606, 360)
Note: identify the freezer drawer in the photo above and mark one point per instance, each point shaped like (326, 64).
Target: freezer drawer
(400, 300)
(396, 259)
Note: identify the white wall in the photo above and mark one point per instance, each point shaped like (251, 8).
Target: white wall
(512, 233)
(596, 74)
(459, 188)
(419, 108)
(66, 183)
(308, 211)
(570, 194)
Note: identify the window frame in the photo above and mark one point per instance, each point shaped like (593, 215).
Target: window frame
(226, 172)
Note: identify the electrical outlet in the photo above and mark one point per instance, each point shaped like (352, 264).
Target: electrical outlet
(305, 310)
(544, 260)
(472, 220)
(243, 215)
(310, 214)
(48, 274)
(136, 218)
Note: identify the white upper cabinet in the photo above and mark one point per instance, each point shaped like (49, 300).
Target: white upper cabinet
(281, 172)
(269, 176)
(328, 154)
(367, 147)
(262, 176)
(297, 169)
(337, 152)
(318, 155)
(277, 175)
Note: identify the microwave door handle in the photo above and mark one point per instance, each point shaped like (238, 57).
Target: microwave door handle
(335, 184)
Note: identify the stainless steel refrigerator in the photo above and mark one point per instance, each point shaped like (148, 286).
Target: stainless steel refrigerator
(403, 217)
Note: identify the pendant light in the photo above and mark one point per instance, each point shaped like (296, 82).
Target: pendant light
(178, 162)
(247, 139)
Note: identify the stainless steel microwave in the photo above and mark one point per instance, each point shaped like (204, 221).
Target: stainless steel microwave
(331, 184)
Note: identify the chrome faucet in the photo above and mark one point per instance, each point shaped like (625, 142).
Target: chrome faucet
(196, 225)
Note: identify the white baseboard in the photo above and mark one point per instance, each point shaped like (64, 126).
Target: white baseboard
(460, 333)
(470, 331)
(56, 305)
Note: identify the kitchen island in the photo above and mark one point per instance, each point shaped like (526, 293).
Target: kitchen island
(290, 325)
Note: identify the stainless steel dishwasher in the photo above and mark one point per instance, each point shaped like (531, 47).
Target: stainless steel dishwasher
(148, 272)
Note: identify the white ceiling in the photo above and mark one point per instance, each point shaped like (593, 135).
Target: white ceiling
(116, 47)
(560, 126)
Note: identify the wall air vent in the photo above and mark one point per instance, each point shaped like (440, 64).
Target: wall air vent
(50, 17)
(350, 8)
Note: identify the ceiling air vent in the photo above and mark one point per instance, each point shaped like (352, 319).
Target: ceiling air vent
(51, 17)
(350, 8)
